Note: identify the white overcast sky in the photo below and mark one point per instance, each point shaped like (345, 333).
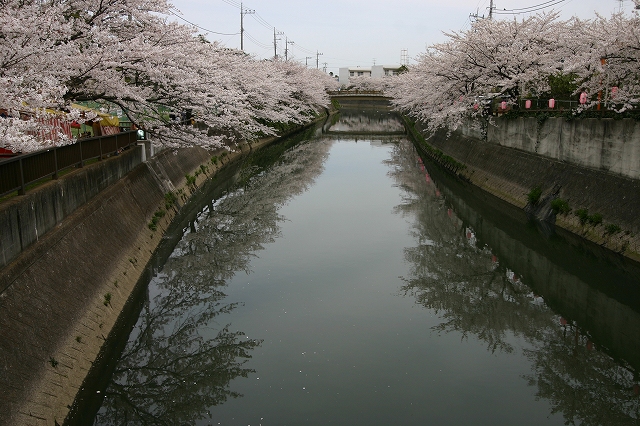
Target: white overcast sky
(357, 32)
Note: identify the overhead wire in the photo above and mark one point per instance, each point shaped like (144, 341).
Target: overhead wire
(258, 43)
(198, 26)
(259, 19)
(529, 9)
(262, 21)
(232, 3)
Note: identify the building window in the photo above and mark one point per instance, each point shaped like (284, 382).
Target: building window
(352, 73)
(360, 73)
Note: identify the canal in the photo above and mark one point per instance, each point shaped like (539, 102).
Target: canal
(341, 279)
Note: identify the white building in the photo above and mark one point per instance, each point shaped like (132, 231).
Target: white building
(376, 71)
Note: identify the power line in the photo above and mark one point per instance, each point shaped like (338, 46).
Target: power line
(258, 43)
(260, 20)
(530, 9)
(232, 3)
(198, 26)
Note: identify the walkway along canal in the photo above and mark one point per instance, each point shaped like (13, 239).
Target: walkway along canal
(346, 280)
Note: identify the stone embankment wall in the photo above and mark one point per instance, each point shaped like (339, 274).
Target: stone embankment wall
(61, 297)
(591, 164)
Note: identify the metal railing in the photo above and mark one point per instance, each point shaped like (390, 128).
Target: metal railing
(354, 92)
(542, 104)
(18, 172)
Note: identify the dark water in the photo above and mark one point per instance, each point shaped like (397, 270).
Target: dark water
(344, 281)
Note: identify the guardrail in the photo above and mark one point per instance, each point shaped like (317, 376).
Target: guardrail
(18, 172)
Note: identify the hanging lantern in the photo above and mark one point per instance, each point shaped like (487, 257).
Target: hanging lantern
(527, 104)
(552, 103)
(583, 98)
(475, 107)
(503, 105)
(614, 92)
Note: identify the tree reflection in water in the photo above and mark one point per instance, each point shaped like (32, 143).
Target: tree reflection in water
(463, 281)
(181, 358)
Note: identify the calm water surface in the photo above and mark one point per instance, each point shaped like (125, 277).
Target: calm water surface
(346, 282)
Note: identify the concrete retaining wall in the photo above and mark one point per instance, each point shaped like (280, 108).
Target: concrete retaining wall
(25, 219)
(63, 295)
(601, 144)
(511, 172)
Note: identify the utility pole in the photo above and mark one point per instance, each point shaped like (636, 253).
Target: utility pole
(325, 67)
(318, 59)
(243, 12)
(476, 15)
(286, 48)
(306, 61)
(275, 42)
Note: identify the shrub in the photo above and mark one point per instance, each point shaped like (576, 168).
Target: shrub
(560, 206)
(595, 219)
(612, 228)
(169, 200)
(534, 195)
(583, 215)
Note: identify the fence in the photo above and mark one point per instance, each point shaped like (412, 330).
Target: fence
(542, 104)
(354, 92)
(18, 172)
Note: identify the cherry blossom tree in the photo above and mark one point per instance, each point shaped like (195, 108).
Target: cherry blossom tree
(608, 69)
(503, 59)
(512, 59)
(126, 53)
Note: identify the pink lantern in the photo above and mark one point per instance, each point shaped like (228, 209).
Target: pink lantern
(552, 103)
(583, 98)
(614, 92)
(475, 107)
(527, 104)
(503, 105)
